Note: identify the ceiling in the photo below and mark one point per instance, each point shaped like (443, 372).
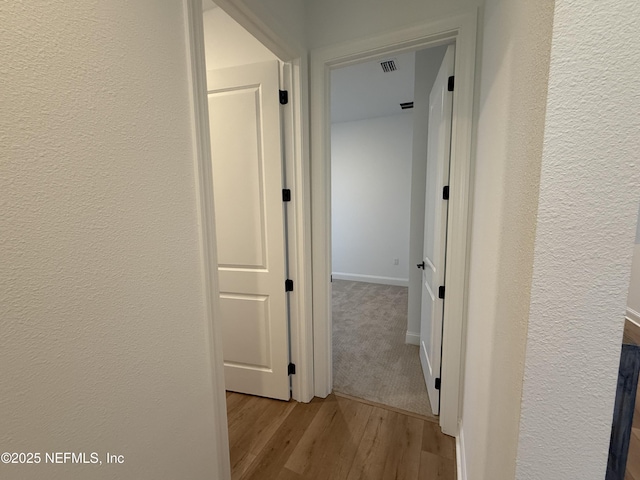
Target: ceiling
(208, 5)
(365, 91)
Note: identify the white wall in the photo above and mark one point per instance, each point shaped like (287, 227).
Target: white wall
(585, 226)
(633, 296)
(227, 44)
(511, 108)
(279, 24)
(336, 21)
(364, 90)
(371, 181)
(426, 69)
(104, 335)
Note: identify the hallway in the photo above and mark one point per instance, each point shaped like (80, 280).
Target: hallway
(334, 438)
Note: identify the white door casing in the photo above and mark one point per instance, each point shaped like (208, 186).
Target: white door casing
(435, 227)
(246, 153)
(461, 29)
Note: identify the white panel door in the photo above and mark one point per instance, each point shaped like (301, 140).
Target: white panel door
(244, 117)
(435, 228)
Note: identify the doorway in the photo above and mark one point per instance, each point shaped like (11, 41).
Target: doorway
(460, 30)
(378, 164)
(228, 46)
(310, 331)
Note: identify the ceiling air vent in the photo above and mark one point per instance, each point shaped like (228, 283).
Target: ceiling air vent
(389, 65)
(406, 105)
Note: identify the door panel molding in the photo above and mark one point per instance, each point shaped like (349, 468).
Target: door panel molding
(241, 236)
(429, 263)
(460, 29)
(431, 294)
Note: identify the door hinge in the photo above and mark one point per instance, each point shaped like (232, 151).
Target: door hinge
(291, 369)
(331, 278)
(286, 195)
(284, 97)
(441, 292)
(437, 384)
(288, 285)
(450, 83)
(445, 192)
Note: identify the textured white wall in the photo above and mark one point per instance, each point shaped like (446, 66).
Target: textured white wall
(427, 65)
(104, 337)
(511, 108)
(589, 193)
(370, 188)
(336, 21)
(227, 44)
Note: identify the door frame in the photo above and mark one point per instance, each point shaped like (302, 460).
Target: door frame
(460, 29)
(197, 76)
(297, 178)
(295, 151)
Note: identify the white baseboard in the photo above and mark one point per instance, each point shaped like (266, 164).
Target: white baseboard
(633, 317)
(354, 277)
(412, 338)
(461, 459)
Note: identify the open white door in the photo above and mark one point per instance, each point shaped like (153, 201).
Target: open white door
(435, 228)
(244, 118)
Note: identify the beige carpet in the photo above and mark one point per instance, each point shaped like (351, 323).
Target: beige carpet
(370, 359)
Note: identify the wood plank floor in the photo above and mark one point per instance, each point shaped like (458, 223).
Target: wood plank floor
(335, 438)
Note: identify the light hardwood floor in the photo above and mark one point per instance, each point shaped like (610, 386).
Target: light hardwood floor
(332, 439)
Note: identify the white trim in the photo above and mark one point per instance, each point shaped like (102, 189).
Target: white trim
(299, 230)
(196, 70)
(462, 30)
(633, 317)
(412, 338)
(461, 457)
(356, 277)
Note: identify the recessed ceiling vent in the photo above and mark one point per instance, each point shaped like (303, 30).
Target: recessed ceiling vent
(406, 105)
(389, 65)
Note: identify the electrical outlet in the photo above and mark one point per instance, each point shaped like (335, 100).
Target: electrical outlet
(396, 261)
